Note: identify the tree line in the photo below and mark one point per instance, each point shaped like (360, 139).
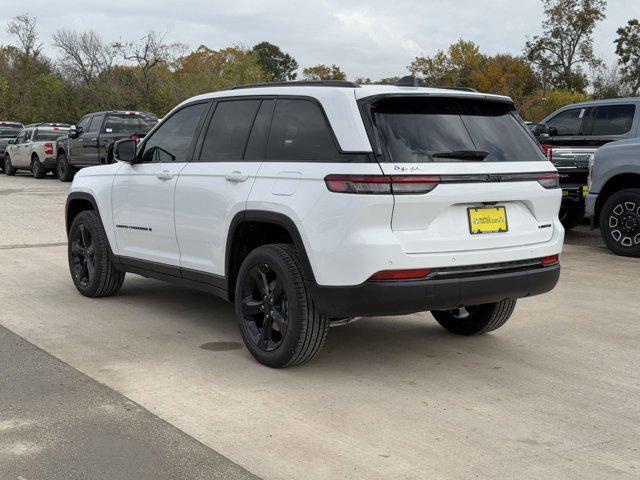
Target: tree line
(556, 67)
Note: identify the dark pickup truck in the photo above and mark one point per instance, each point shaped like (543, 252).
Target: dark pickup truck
(90, 141)
(570, 137)
(8, 131)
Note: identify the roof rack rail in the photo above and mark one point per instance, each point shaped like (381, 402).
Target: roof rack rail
(461, 89)
(298, 83)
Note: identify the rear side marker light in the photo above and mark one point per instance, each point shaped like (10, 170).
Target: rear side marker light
(549, 180)
(381, 184)
(550, 260)
(412, 274)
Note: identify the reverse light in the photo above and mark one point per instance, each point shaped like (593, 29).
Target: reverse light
(411, 274)
(381, 184)
(550, 260)
(547, 149)
(549, 180)
(48, 148)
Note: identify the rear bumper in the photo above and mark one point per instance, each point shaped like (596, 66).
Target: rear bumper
(49, 162)
(399, 298)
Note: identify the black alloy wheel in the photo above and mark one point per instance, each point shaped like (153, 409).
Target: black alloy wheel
(8, 166)
(620, 222)
(37, 170)
(83, 256)
(265, 308)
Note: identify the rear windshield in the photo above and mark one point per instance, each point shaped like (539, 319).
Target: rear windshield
(129, 124)
(8, 131)
(42, 135)
(413, 130)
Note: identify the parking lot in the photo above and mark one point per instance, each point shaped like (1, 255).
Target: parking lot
(553, 394)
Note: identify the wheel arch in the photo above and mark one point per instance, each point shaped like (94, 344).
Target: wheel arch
(250, 229)
(615, 184)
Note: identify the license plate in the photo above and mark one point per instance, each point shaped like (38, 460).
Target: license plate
(487, 220)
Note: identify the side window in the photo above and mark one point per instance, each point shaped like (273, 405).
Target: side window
(613, 119)
(28, 136)
(257, 144)
(228, 131)
(96, 123)
(299, 132)
(21, 136)
(568, 122)
(173, 140)
(84, 122)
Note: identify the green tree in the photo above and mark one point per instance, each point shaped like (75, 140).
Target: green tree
(276, 65)
(323, 72)
(452, 68)
(628, 51)
(566, 42)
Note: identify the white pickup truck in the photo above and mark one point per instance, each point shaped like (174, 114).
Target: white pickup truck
(34, 149)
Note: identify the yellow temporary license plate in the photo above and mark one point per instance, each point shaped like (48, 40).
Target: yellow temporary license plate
(487, 220)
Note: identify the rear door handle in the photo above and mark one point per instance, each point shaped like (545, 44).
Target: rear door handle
(236, 176)
(164, 175)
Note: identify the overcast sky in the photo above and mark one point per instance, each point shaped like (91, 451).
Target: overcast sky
(371, 38)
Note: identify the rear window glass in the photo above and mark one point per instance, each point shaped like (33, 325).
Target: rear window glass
(9, 131)
(42, 135)
(129, 124)
(228, 131)
(416, 130)
(613, 120)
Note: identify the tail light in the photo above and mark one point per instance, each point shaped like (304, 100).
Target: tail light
(550, 260)
(549, 180)
(412, 274)
(135, 137)
(48, 148)
(381, 184)
(547, 150)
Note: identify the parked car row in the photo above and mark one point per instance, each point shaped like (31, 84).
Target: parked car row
(62, 149)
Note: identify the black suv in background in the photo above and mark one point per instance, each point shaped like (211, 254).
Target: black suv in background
(90, 141)
(8, 131)
(570, 137)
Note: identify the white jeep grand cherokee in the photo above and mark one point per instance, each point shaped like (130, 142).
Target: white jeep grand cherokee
(308, 203)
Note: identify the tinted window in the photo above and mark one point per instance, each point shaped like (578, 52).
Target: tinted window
(172, 141)
(568, 122)
(415, 129)
(20, 138)
(129, 124)
(8, 131)
(96, 123)
(228, 131)
(42, 135)
(299, 132)
(613, 120)
(28, 135)
(257, 144)
(84, 123)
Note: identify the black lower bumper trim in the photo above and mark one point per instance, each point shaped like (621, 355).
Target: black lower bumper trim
(399, 298)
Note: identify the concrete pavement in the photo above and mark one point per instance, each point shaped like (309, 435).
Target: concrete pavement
(553, 394)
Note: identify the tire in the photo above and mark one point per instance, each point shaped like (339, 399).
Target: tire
(65, 171)
(92, 271)
(481, 318)
(292, 309)
(8, 166)
(37, 170)
(54, 172)
(571, 216)
(620, 222)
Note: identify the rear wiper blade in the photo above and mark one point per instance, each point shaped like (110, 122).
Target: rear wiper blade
(462, 154)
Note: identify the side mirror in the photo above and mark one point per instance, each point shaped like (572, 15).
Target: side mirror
(541, 130)
(125, 150)
(12, 141)
(75, 131)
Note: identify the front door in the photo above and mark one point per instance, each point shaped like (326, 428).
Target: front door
(76, 145)
(143, 192)
(90, 151)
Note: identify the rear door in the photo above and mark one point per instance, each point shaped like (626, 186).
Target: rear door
(143, 194)
(216, 184)
(484, 165)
